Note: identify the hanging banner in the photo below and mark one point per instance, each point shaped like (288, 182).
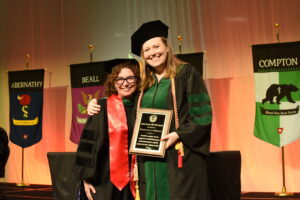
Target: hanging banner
(195, 59)
(87, 80)
(26, 106)
(277, 83)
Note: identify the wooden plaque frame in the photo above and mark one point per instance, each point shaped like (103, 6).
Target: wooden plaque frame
(150, 126)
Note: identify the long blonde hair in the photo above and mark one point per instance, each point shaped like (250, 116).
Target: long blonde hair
(146, 71)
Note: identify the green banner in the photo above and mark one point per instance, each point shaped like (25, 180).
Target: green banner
(277, 83)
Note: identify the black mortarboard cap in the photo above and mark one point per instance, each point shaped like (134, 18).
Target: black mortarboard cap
(146, 32)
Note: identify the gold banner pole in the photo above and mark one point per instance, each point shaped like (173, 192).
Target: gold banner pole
(283, 192)
(277, 32)
(27, 57)
(22, 184)
(91, 48)
(179, 38)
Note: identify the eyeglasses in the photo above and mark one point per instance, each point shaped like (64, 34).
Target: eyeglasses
(129, 79)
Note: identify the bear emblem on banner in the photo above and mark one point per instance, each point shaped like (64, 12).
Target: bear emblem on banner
(280, 91)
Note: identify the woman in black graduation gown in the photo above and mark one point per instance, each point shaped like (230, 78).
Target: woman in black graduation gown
(102, 159)
(168, 83)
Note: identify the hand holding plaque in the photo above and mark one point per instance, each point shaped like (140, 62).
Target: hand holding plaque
(150, 126)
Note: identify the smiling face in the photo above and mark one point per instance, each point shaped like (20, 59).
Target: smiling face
(155, 53)
(128, 87)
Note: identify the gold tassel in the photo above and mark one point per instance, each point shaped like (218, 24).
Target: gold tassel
(135, 173)
(137, 192)
(136, 179)
(181, 148)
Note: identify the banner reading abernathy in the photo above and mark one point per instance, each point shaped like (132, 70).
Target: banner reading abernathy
(26, 106)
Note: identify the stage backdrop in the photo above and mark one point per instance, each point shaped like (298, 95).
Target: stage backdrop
(56, 33)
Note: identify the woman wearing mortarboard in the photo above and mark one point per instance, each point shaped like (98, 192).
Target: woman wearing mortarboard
(168, 83)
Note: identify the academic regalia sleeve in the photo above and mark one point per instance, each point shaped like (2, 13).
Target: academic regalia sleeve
(194, 108)
(93, 138)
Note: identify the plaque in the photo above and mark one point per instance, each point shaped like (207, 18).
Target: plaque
(150, 126)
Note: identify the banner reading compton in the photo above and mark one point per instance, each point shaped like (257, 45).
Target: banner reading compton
(26, 106)
(277, 83)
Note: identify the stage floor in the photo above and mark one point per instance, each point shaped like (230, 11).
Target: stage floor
(45, 192)
(32, 192)
(267, 196)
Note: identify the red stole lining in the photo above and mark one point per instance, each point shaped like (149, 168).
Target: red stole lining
(118, 142)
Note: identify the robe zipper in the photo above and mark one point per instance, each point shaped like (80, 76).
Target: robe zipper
(154, 166)
(154, 95)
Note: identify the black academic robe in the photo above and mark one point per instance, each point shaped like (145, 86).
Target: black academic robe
(92, 157)
(194, 110)
(4, 151)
